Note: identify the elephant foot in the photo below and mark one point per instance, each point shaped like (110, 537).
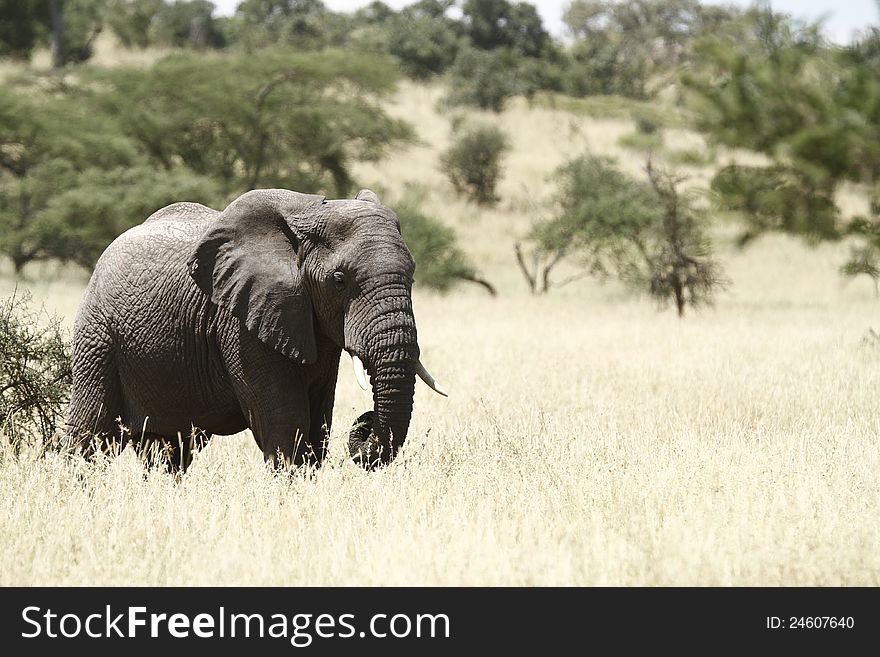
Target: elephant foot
(365, 448)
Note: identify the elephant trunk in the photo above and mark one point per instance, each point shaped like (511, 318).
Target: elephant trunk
(393, 389)
(392, 356)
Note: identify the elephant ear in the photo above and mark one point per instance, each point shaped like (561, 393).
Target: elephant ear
(247, 262)
(368, 195)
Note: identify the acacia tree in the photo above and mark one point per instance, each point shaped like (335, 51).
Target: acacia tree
(70, 181)
(646, 233)
(270, 119)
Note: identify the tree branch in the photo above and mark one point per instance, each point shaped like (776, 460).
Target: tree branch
(473, 278)
(530, 278)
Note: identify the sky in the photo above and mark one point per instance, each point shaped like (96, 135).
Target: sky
(843, 17)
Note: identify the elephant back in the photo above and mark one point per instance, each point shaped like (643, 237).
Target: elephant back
(182, 212)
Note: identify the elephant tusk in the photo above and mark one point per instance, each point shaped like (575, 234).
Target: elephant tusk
(359, 372)
(425, 376)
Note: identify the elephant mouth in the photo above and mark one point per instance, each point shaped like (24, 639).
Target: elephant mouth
(361, 371)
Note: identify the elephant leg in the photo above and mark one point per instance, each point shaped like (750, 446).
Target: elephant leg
(321, 402)
(278, 416)
(96, 403)
(283, 439)
(273, 394)
(175, 453)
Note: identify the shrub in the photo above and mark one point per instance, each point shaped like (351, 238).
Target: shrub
(473, 162)
(35, 372)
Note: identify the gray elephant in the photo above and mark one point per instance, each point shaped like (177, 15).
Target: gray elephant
(222, 321)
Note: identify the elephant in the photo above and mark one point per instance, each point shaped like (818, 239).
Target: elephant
(199, 322)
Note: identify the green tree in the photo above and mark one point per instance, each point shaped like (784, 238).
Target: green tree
(423, 38)
(132, 20)
(70, 26)
(303, 24)
(78, 223)
(813, 111)
(44, 143)
(473, 162)
(647, 234)
(864, 57)
(864, 258)
(22, 23)
(492, 24)
(270, 119)
(186, 24)
(625, 47)
(70, 181)
(82, 23)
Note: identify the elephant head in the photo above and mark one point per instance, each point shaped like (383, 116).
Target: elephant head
(300, 270)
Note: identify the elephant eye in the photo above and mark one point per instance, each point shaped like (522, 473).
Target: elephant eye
(339, 280)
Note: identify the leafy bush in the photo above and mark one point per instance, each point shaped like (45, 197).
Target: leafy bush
(494, 24)
(304, 24)
(601, 65)
(440, 261)
(646, 124)
(626, 47)
(35, 372)
(473, 162)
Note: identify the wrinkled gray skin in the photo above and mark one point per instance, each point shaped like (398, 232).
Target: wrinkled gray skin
(230, 320)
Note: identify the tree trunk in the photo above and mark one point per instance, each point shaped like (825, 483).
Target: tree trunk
(529, 276)
(19, 260)
(56, 16)
(679, 298)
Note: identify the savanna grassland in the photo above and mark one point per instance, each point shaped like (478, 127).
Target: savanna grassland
(589, 438)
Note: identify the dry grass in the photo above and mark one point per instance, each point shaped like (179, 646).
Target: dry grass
(589, 439)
